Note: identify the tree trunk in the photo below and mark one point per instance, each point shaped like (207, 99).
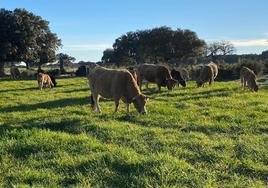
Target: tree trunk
(2, 70)
(62, 71)
(39, 67)
(27, 66)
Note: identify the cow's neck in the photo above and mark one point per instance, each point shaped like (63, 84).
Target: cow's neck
(132, 91)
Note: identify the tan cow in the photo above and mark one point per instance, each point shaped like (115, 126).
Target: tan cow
(116, 85)
(44, 81)
(215, 69)
(248, 78)
(205, 74)
(156, 74)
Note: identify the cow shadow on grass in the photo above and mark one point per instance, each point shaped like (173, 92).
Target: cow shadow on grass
(226, 92)
(21, 89)
(28, 89)
(77, 90)
(47, 105)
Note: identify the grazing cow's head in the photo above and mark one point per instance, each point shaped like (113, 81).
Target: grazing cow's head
(255, 87)
(171, 84)
(139, 102)
(177, 76)
(199, 83)
(183, 83)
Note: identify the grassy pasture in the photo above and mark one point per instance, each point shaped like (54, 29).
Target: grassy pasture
(194, 137)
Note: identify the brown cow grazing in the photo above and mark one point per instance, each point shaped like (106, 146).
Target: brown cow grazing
(14, 72)
(248, 78)
(157, 74)
(206, 74)
(116, 85)
(215, 69)
(177, 76)
(44, 81)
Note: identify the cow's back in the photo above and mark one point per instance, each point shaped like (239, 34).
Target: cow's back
(214, 68)
(133, 72)
(152, 73)
(109, 83)
(246, 72)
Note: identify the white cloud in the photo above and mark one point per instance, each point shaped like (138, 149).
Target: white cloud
(86, 47)
(248, 43)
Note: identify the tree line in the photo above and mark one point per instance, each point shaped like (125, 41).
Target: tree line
(27, 37)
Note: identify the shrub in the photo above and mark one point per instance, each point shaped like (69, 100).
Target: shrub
(81, 71)
(54, 72)
(257, 66)
(29, 73)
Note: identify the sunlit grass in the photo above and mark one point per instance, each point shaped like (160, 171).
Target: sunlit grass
(196, 137)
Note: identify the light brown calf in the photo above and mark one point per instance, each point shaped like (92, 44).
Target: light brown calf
(44, 81)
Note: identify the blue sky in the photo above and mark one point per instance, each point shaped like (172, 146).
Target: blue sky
(87, 27)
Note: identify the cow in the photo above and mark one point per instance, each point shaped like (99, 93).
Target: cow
(50, 74)
(44, 81)
(185, 74)
(116, 85)
(53, 79)
(248, 78)
(177, 76)
(215, 69)
(157, 74)
(14, 72)
(205, 74)
(133, 72)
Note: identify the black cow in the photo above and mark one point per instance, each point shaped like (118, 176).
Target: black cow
(177, 76)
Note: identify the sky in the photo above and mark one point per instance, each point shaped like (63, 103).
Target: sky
(88, 27)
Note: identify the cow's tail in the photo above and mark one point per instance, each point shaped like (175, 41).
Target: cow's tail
(92, 101)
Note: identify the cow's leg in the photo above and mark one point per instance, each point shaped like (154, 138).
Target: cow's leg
(41, 85)
(127, 108)
(210, 82)
(242, 82)
(49, 84)
(96, 101)
(245, 83)
(116, 105)
(159, 87)
(147, 85)
(140, 83)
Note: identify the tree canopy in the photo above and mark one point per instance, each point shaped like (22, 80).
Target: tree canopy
(64, 59)
(219, 48)
(154, 45)
(26, 37)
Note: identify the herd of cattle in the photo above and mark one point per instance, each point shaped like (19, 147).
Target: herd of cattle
(126, 84)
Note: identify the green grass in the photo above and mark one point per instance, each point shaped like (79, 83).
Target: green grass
(192, 137)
